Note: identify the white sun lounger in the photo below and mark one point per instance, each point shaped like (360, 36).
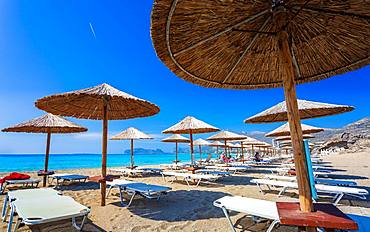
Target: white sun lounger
(250, 206)
(189, 177)
(62, 178)
(233, 169)
(131, 172)
(132, 188)
(25, 183)
(213, 172)
(339, 191)
(44, 206)
(284, 171)
(317, 180)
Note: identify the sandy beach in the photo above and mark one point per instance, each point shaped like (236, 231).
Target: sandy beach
(190, 208)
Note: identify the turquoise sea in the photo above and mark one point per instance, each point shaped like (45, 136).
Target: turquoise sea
(35, 162)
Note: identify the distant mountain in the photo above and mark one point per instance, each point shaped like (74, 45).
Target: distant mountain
(143, 151)
(353, 137)
(259, 135)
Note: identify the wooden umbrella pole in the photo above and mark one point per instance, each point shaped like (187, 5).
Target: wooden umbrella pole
(225, 148)
(177, 147)
(191, 148)
(104, 153)
(47, 157)
(252, 150)
(132, 153)
(305, 198)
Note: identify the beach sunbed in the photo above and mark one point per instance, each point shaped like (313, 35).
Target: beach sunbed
(233, 169)
(284, 171)
(131, 172)
(187, 177)
(151, 170)
(33, 183)
(213, 172)
(338, 191)
(147, 191)
(43, 206)
(65, 177)
(254, 207)
(317, 180)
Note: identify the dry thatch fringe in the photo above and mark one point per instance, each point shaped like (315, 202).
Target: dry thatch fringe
(88, 103)
(47, 123)
(176, 138)
(307, 109)
(288, 138)
(200, 142)
(190, 124)
(216, 144)
(130, 133)
(226, 135)
(251, 141)
(233, 44)
(284, 130)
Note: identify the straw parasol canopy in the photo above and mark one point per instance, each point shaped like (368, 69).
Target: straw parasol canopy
(200, 143)
(288, 138)
(263, 44)
(176, 138)
(284, 130)
(48, 124)
(190, 125)
(307, 109)
(102, 102)
(131, 134)
(226, 136)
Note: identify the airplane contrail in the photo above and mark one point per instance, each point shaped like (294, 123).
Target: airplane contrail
(92, 30)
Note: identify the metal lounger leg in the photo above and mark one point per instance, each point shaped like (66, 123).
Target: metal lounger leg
(228, 218)
(282, 191)
(5, 210)
(198, 182)
(132, 198)
(11, 219)
(187, 181)
(260, 188)
(272, 225)
(110, 188)
(17, 224)
(74, 223)
(338, 198)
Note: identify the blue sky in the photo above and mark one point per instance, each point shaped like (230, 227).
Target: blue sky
(47, 47)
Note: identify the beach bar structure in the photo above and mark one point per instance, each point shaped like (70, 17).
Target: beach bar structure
(102, 102)
(263, 45)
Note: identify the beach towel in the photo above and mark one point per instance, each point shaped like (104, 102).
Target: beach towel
(14, 176)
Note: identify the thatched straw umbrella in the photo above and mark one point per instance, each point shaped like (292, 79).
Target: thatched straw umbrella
(216, 144)
(176, 139)
(48, 124)
(102, 102)
(200, 143)
(288, 138)
(226, 136)
(307, 109)
(131, 134)
(190, 125)
(263, 44)
(284, 130)
(252, 142)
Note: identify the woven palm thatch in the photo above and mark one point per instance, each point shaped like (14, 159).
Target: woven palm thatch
(88, 103)
(201, 142)
(47, 123)
(251, 141)
(190, 124)
(288, 138)
(307, 109)
(176, 138)
(285, 131)
(226, 135)
(130, 133)
(233, 44)
(263, 144)
(216, 144)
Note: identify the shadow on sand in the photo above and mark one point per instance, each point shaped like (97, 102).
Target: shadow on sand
(180, 205)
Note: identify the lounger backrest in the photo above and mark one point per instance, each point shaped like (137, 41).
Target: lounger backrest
(311, 176)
